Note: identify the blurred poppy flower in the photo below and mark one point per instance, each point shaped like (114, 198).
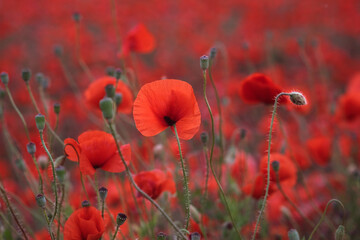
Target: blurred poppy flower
(259, 88)
(96, 149)
(255, 188)
(84, 223)
(155, 182)
(320, 149)
(163, 103)
(138, 40)
(96, 91)
(349, 107)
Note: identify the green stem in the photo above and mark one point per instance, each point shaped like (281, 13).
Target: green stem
(324, 214)
(203, 200)
(48, 223)
(54, 175)
(40, 177)
(116, 231)
(59, 216)
(145, 195)
(211, 158)
(268, 165)
(186, 184)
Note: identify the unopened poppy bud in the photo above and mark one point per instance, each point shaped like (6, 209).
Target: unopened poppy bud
(58, 50)
(213, 53)
(20, 164)
(2, 93)
(40, 122)
(85, 203)
(26, 74)
(4, 78)
(43, 161)
(195, 236)
(60, 173)
(110, 91)
(276, 166)
(39, 78)
(110, 71)
(297, 98)
(161, 236)
(204, 62)
(31, 148)
(56, 108)
(293, 234)
(120, 219)
(118, 73)
(76, 17)
(118, 99)
(106, 106)
(340, 233)
(204, 136)
(103, 193)
(40, 200)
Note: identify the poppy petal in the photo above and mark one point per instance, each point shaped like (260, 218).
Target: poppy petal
(115, 164)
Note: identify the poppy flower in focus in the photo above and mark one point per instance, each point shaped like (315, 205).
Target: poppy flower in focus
(259, 88)
(164, 103)
(96, 91)
(96, 149)
(138, 40)
(155, 182)
(84, 223)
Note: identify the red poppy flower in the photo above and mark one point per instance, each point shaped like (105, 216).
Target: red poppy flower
(320, 149)
(96, 149)
(163, 103)
(138, 40)
(96, 91)
(349, 107)
(84, 223)
(259, 88)
(155, 182)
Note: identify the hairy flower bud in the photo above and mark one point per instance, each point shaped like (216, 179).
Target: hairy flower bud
(40, 122)
(106, 106)
(297, 98)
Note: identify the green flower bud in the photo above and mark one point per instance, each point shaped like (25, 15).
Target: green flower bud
(293, 234)
(340, 233)
(120, 219)
(103, 193)
(204, 62)
(118, 99)
(60, 173)
(118, 73)
(110, 91)
(110, 71)
(4, 78)
(40, 122)
(204, 136)
(31, 148)
(106, 106)
(41, 200)
(26, 74)
(56, 108)
(85, 203)
(276, 166)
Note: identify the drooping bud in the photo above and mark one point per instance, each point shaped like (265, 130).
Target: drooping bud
(85, 203)
(56, 108)
(276, 166)
(40, 122)
(58, 50)
(297, 98)
(195, 236)
(118, 99)
(60, 173)
(204, 136)
(31, 148)
(340, 233)
(120, 219)
(103, 193)
(76, 17)
(110, 71)
(161, 236)
(4, 78)
(41, 200)
(110, 91)
(204, 62)
(106, 106)
(26, 74)
(118, 73)
(293, 234)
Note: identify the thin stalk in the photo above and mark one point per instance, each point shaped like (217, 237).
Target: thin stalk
(116, 231)
(18, 112)
(268, 165)
(324, 214)
(54, 175)
(81, 61)
(41, 188)
(43, 99)
(48, 223)
(145, 195)
(186, 184)
(203, 200)
(60, 205)
(211, 158)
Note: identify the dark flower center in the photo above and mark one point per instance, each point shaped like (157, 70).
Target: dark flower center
(169, 121)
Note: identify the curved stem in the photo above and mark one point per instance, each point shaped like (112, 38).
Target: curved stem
(324, 214)
(54, 175)
(145, 195)
(268, 165)
(186, 183)
(211, 158)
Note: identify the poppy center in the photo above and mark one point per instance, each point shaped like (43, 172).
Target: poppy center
(169, 121)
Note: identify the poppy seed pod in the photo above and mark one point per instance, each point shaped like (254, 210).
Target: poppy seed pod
(195, 236)
(293, 234)
(110, 91)
(118, 73)
(103, 193)
(276, 166)
(40, 200)
(56, 108)
(4, 78)
(297, 98)
(31, 148)
(161, 236)
(340, 233)
(40, 122)
(120, 219)
(26, 74)
(118, 99)
(204, 62)
(106, 106)
(85, 203)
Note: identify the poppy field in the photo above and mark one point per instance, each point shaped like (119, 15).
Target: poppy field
(198, 120)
